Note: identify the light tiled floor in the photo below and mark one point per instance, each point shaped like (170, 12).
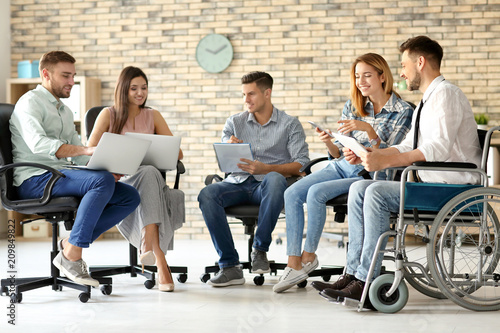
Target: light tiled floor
(196, 307)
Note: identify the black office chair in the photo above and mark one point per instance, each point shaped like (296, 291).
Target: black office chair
(133, 268)
(249, 216)
(53, 210)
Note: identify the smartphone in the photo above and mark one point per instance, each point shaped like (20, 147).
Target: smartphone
(320, 128)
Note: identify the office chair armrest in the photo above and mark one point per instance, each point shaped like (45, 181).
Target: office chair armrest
(307, 167)
(180, 171)
(47, 192)
(212, 178)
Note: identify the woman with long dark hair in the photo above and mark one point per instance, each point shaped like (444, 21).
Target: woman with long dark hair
(151, 226)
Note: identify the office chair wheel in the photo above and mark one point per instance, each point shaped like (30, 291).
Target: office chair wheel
(84, 297)
(387, 304)
(326, 278)
(106, 289)
(259, 280)
(205, 277)
(340, 244)
(149, 284)
(182, 278)
(303, 284)
(16, 298)
(279, 241)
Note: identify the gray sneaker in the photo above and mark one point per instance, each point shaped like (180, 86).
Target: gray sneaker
(74, 270)
(228, 276)
(260, 264)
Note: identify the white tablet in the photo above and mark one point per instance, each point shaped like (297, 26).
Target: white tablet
(229, 155)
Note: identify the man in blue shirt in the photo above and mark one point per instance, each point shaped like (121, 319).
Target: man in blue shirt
(279, 148)
(43, 132)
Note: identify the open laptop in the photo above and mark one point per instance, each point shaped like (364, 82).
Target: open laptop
(118, 154)
(163, 152)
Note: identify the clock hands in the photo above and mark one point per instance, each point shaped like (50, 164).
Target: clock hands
(218, 50)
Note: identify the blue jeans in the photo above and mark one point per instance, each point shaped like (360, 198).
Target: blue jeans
(315, 189)
(370, 205)
(215, 197)
(104, 203)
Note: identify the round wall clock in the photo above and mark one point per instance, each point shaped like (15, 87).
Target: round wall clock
(214, 53)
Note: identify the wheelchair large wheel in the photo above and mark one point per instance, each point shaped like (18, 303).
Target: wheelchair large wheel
(464, 250)
(416, 270)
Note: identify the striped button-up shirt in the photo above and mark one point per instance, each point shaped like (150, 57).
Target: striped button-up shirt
(280, 141)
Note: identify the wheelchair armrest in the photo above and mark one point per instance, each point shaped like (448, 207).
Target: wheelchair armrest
(447, 165)
(47, 192)
(307, 167)
(212, 178)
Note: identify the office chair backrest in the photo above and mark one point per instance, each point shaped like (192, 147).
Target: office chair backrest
(6, 148)
(90, 118)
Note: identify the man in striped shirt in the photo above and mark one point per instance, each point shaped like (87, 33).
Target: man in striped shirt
(279, 148)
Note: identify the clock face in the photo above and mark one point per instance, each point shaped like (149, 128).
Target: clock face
(214, 53)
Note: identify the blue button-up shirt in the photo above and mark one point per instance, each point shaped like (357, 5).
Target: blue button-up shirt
(280, 141)
(40, 124)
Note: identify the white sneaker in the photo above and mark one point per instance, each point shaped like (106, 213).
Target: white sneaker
(310, 266)
(290, 278)
(74, 270)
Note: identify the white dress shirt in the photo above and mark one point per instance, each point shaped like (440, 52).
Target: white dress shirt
(448, 133)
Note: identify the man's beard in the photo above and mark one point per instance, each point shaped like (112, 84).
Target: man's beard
(415, 83)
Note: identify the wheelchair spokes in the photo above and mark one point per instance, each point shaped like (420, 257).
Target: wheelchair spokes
(464, 250)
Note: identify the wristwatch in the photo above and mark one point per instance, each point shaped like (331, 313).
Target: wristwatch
(375, 141)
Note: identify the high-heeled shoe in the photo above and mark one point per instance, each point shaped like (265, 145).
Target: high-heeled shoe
(147, 258)
(169, 287)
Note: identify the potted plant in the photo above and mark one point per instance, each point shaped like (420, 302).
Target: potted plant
(482, 120)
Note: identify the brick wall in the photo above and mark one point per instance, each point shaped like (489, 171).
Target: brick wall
(306, 45)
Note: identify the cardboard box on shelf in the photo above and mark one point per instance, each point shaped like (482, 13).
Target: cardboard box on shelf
(37, 229)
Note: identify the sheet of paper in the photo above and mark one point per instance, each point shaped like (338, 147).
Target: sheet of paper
(229, 155)
(351, 143)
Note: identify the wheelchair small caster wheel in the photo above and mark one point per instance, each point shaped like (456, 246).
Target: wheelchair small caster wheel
(84, 297)
(149, 284)
(259, 280)
(205, 277)
(16, 298)
(106, 289)
(387, 304)
(279, 241)
(326, 278)
(303, 284)
(182, 278)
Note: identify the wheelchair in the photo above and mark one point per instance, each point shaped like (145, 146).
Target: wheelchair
(457, 251)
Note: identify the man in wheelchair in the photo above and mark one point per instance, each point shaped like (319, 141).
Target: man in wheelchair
(443, 130)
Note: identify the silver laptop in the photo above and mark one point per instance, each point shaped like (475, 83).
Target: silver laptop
(118, 154)
(163, 152)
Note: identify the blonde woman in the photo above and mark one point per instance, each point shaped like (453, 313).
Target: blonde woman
(376, 117)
